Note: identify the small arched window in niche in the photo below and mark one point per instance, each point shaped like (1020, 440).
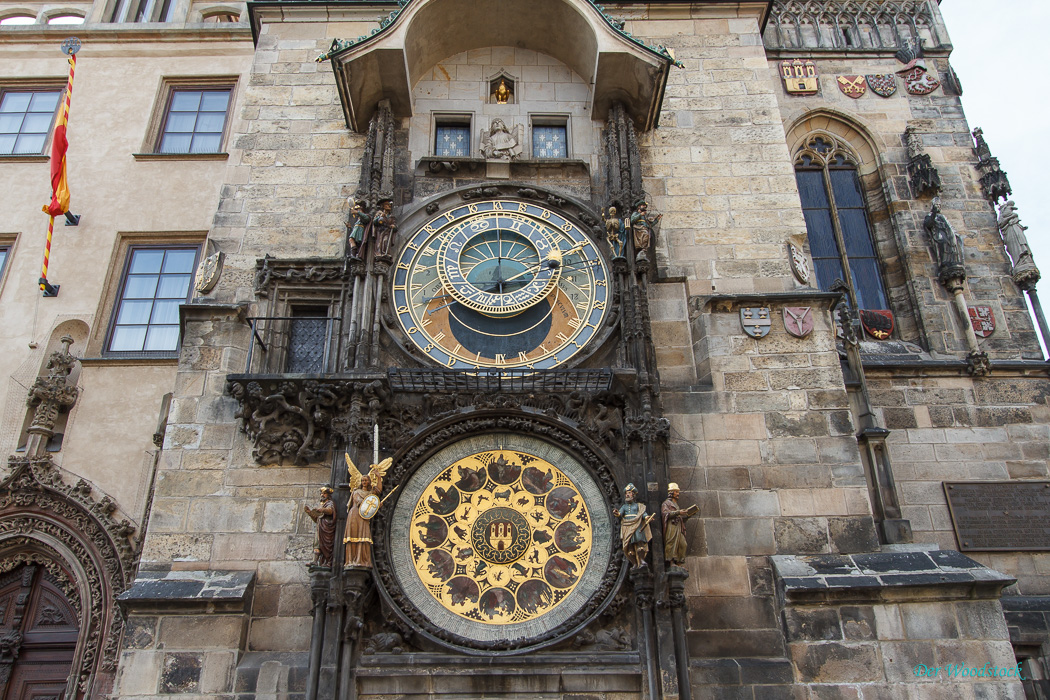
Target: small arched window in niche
(837, 221)
(501, 90)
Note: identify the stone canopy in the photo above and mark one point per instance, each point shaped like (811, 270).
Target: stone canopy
(385, 65)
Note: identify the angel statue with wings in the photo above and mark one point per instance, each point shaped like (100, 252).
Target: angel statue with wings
(364, 504)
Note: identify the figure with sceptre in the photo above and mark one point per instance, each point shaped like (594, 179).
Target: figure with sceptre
(634, 527)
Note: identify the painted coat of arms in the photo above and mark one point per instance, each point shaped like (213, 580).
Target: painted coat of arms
(756, 321)
(798, 320)
(917, 81)
(800, 76)
(799, 263)
(983, 321)
(852, 85)
(877, 322)
(882, 84)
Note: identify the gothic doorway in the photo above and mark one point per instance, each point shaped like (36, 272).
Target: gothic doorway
(38, 635)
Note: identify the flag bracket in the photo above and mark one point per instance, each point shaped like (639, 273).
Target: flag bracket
(50, 290)
(72, 219)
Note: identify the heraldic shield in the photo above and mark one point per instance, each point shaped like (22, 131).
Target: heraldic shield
(369, 506)
(877, 322)
(852, 85)
(983, 321)
(756, 321)
(882, 84)
(798, 320)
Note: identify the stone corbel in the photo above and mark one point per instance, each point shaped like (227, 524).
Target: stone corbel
(49, 396)
(924, 178)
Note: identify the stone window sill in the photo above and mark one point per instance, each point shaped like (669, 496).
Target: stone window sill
(35, 158)
(180, 156)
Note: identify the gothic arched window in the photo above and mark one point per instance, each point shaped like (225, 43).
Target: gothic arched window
(837, 222)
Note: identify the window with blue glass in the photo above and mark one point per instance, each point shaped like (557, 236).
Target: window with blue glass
(5, 252)
(195, 121)
(837, 222)
(156, 282)
(452, 140)
(550, 141)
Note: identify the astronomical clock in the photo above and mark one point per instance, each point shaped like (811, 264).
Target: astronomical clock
(501, 540)
(501, 284)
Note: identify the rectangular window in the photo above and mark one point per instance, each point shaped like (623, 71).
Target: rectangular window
(142, 11)
(26, 118)
(5, 252)
(195, 120)
(550, 141)
(307, 339)
(156, 281)
(452, 139)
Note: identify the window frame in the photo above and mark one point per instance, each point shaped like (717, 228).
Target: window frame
(460, 119)
(35, 85)
(8, 242)
(824, 162)
(541, 120)
(162, 106)
(121, 286)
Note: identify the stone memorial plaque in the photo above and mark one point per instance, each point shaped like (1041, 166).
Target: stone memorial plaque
(1000, 515)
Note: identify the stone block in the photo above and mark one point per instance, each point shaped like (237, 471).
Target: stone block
(981, 620)
(731, 613)
(836, 662)
(853, 534)
(280, 634)
(223, 515)
(901, 658)
(140, 632)
(719, 644)
(801, 535)
(929, 621)
(740, 536)
(717, 576)
(181, 673)
(751, 504)
(139, 673)
(177, 548)
(812, 624)
(858, 622)
(201, 632)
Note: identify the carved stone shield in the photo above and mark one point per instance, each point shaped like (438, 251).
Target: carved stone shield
(882, 84)
(800, 76)
(852, 85)
(877, 322)
(983, 321)
(756, 321)
(369, 506)
(917, 81)
(208, 273)
(798, 320)
(799, 263)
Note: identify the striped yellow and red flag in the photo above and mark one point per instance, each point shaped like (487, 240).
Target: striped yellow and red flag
(59, 182)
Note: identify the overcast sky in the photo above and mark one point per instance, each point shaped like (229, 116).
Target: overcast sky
(1001, 55)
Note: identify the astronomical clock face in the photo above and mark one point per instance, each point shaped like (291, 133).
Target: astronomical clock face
(501, 284)
(500, 537)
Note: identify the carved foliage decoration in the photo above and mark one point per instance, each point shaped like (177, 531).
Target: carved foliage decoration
(46, 522)
(849, 25)
(51, 394)
(623, 170)
(269, 272)
(294, 421)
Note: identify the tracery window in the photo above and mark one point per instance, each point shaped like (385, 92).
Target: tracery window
(837, 221)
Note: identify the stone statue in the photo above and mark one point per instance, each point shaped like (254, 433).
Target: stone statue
(947, 243)
(364, 503)
(614, 232)
(324, 516)
(634, 527)
(674, 526)
(498, 143)
(1014, 237)
(642, 226)
(358, 225)
(384, 226)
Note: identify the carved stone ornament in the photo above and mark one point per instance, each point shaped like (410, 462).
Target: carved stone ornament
(293, 421)
(49, 396)
(983, 321)
(994, 182)
(799, 263)
(756, 321)
(798, 321)
(39, 510)
(208, 272)
(269, 272)
(499, 143)
(924, 178)
(882, 84)
(800, 76)
(1025, 272)
(852, 85)
(877, 322)
(918, 81)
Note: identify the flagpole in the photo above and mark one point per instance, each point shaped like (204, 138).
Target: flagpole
(69, 47)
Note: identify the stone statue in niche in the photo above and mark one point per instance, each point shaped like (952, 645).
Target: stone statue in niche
(359, 223)
(324, 516)
(634, 527)
(364, 504)
(643, 226)
(385, 227)
(498, 143)
(1014, 237)
(614, 231)
(675, 544)
(502, 93)
(947, 243)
